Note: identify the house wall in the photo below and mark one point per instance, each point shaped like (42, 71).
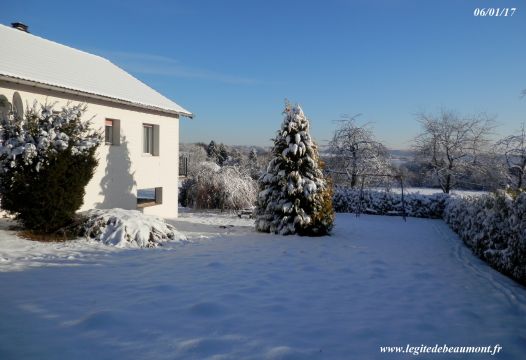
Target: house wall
(122, 168)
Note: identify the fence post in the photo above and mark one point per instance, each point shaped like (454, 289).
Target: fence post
(361, 197)
(403, 200)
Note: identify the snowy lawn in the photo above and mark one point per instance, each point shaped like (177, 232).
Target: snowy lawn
(232, 293)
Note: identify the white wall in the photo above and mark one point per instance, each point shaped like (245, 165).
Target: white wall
(124, 168)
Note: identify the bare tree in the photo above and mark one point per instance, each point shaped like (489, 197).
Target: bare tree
(451, 145)
(355, 152)
(195, 153)
(513, 148)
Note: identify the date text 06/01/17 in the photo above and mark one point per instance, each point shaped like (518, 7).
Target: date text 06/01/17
(494, 11)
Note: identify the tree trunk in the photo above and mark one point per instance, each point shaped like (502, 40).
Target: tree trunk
(447, 186)
(353, 180)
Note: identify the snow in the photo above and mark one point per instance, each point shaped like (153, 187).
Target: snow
(285, 205)
(29, 57)
(219, 187)
(19, 254)
(431, 191)
(494, 227)
(233, 293)
(129, 228)
(427, 191)
(16, 138)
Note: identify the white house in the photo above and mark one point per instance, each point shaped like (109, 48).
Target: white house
(138, 165)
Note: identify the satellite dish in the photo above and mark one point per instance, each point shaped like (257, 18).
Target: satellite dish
(18, 106)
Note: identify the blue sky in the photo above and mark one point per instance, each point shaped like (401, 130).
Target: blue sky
(233, 62)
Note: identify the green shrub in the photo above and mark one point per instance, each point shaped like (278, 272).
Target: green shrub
(46, 160)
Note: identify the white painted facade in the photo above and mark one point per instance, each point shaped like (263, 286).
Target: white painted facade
(124, 168)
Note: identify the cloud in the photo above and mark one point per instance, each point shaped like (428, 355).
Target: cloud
(151, 64)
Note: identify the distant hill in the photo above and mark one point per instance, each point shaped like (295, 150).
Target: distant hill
(399, 157)
(402, 153)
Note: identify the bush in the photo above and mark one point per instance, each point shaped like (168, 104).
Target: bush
(185, 195)
(388, 203)
(324, 216)
(215, 187)
(494, 227)
(46, 160)
(127, 228)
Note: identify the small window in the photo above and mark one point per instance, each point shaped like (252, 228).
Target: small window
(147, 139)
(112, 132)
(150, 139)
(149, 197)
(108, 133)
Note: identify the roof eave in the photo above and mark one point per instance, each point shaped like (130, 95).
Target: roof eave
(66, 90)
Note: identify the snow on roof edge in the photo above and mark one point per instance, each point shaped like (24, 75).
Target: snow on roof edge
(49, 86)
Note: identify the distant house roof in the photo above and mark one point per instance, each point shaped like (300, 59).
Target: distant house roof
(27, 58)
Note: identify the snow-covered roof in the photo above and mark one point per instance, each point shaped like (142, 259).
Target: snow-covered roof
(28, 58)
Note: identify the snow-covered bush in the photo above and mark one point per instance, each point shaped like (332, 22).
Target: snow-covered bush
(127, 228)
(494, 227)
(294, 197)
(215, 187)
(46, 160)
(186, 192)
(239, 190)
(388, 203)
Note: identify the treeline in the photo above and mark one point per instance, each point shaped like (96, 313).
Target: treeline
(452, 151)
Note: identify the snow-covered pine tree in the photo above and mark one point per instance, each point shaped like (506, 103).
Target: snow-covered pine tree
(294, 197)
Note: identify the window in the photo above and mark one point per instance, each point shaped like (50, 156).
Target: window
(112, 132)
(149, 197)
(150, 139)
(147, 139)
(108, 133)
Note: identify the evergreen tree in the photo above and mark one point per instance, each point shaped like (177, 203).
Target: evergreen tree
(294, 197)
(46, 160)
(222, 155)
(212, 151)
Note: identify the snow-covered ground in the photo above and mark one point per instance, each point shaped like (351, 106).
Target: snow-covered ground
(431, 191)
(231, 293)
